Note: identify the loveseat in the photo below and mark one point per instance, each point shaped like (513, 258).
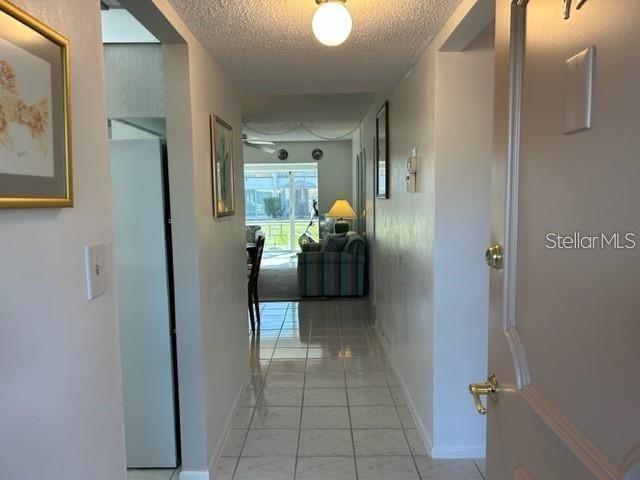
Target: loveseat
(333, 268)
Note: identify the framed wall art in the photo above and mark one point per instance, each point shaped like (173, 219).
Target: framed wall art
(222, 168)
(382, 152)
(35, 124)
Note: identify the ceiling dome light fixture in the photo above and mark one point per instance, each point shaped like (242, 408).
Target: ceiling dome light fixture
(332, 22)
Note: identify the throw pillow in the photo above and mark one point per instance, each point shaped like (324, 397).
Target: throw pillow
(335, 243)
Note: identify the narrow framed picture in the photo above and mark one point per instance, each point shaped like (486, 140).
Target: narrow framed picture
(35, 123)
(222, 168)
(382, 152)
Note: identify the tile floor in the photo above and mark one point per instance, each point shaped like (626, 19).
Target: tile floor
(323, 404)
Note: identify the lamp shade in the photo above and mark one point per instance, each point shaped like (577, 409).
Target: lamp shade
(342, 209)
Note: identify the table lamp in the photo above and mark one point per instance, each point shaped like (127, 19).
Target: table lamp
(341, 210)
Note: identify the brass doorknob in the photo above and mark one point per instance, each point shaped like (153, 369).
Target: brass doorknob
(494, 256)
(490, 389)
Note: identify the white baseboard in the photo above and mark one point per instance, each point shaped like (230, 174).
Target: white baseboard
(218, 451)
(436, 452)
(193, 475)
(422, 431)
(457, 452)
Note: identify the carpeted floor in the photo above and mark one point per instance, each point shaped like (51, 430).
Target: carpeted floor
(278, 284)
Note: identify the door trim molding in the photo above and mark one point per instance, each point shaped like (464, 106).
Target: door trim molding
(576, 441)
(516, 68)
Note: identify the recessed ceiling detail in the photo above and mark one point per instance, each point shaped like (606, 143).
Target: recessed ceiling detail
(268, 46)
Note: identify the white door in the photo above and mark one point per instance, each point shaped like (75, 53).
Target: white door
(565, 323)
(143, 303)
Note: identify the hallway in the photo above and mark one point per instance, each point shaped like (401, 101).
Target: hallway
(324, 404)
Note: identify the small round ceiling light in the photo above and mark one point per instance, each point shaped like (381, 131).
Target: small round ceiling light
(332, 22)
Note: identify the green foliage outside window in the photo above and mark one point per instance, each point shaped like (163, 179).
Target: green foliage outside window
(273, 207)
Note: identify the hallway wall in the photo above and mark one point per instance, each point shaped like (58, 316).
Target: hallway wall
(59, 359)
(419, 301)
(61, 399)
(334, 170)
(464, 144)
(209, 254)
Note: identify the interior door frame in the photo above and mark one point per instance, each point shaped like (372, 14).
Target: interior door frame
(510, 57)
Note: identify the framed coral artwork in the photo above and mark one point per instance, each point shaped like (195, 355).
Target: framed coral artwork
(35, 125)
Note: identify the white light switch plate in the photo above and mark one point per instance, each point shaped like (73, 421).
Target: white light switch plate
(95, 269)
(578, 91)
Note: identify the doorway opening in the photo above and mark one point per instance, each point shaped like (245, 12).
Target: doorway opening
(143, 247)
(281, 203)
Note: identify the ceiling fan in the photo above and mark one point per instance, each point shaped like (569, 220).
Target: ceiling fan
(263, 145)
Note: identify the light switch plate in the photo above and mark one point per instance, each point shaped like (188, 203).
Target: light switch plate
(95, 269)
(578, 91)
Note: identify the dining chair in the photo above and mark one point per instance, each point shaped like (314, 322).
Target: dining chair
(252, 282)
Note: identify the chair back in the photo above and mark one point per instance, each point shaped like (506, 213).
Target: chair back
(257, 258)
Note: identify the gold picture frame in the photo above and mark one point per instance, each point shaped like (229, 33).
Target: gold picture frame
(35, 128)
(222, 167)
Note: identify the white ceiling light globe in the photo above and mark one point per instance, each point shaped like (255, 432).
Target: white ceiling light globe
(332, 23)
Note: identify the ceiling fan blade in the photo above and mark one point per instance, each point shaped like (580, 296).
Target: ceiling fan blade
(264, 148)
(261, 142)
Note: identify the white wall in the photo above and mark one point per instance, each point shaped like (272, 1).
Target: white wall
(419, 300)
(209, 255)
(464, 136)
(61, 403)
(134, 80)
(61, 399)
(335, 170)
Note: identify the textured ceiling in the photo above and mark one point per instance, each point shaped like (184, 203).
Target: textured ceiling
(267, 46)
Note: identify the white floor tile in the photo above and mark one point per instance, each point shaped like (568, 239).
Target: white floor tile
(242, 418)
(447, 469)
(325, 380)
(380, 442)
(325, 397)
(265, 468)
(321, 443)
(266, 443)
(325, 417)
(415, 442)
(233, 444)
(280, 397)
(328, 387)
(374, 417)
(327, 468)
(386, 468)
(295, 380)
(369, 396)
(224, 469)
(276, 417)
